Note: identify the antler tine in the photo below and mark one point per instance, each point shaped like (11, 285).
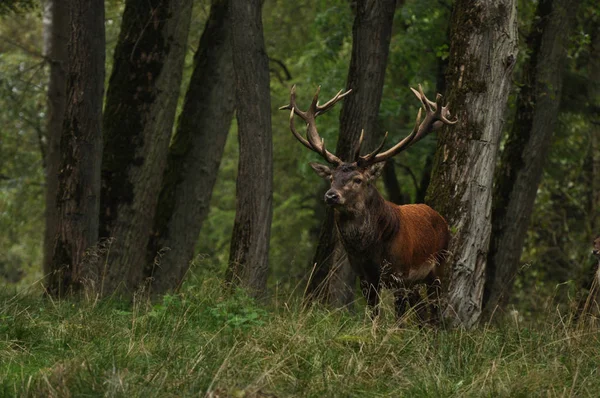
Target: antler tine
(329, 104)
(399, 147)
(331, 158)
(443, 111)
(298, 136)
(364, 160)
(313, 141)
(292, 104)
(314, 105)
(358, 145)
(436, 115)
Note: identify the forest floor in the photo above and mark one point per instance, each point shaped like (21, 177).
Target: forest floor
(204, 343)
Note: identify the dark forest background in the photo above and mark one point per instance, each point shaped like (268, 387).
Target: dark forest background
(308, 43)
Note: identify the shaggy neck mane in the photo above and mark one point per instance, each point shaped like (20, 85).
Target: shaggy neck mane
(377, 220)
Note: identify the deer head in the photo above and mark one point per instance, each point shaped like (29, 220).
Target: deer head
(352, 180)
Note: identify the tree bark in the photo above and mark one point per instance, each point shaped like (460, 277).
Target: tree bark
(56, 38)
(371, 35)
(78, 193)
(483, 48)
(195, 153)
(249, 253)
(138, 119)
(527, 146)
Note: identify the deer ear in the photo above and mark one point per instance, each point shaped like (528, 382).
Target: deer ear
(375, 171)
(322, 170)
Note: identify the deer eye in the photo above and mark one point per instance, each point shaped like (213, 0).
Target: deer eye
(357, 181)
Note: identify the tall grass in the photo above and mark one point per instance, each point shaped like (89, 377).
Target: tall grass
(203, 342)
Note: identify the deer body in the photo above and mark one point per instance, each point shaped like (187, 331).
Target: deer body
(408, 240)
(387, 245)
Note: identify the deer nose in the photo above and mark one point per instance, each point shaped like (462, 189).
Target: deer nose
(595, 252)
(331, 197)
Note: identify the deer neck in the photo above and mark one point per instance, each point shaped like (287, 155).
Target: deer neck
(367, 224)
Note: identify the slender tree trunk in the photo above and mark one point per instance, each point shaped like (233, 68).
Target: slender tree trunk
(520, 171)
(196, 151)
(483, 48)
(249, 253)
(425, 179)
(392, 187)
(371, 35)
(56, 37)
(138, 119)
(78, 194)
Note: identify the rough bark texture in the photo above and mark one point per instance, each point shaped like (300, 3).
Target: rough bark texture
(249, 254)
(483, 48)
(78, 194)
(56, 38)
(195, 153)
(371, 35)
(520, 171)
(138, 119)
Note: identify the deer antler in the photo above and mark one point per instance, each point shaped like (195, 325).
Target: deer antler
(314, 141)
(436, 115)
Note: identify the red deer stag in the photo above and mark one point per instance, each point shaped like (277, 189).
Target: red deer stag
(387, 245)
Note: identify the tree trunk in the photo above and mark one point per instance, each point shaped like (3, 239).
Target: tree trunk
(249, 253)
(483, 48)
(392, 187)
(527, 146)
(78, 194)
(195, 154)
(594, 98)
(425, 178)
(371, 35)
(138, 119)
(56, 37)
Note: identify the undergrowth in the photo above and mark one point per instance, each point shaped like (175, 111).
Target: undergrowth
(203, 342)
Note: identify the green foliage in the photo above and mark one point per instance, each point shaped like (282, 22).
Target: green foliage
(202, 340)
(238, 312)
(313, 41)
(8, 7)
(556, 257)
(22, 113)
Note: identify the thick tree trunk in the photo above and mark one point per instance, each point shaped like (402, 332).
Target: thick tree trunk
(249, 253)
(483, 47)
(138, 119)
(78, 194)
(371, 35)
(56, 37)
(195, 154)
(520, 171)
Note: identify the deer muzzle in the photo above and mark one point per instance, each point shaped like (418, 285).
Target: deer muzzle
(332, 198)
